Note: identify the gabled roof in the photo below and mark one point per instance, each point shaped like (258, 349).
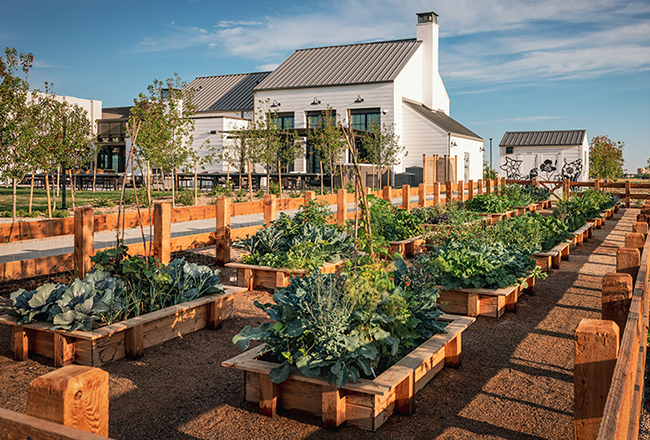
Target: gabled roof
(226, 92)
(442, 120)
(542, 138)
(363, 63)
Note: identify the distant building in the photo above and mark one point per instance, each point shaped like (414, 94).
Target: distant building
(547, 155)
(390, 82)
(641, 170)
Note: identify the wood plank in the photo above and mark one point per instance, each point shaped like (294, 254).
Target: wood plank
(333, 406)
(15, 425)
(269, 396)
(16, 270)
(134, 341)
(19, 343)
(64, 349)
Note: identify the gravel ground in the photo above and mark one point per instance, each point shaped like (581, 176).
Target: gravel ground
(515, 380)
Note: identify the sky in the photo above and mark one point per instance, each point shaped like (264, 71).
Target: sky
(508, 65)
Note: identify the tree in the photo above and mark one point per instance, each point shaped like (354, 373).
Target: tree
(328, 141)
(383, 147)
(266, 141)
(166, 124)
(488, 173)
(606, 158)
(16, 118)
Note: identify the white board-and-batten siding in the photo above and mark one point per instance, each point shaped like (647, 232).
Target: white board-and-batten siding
(421, 136)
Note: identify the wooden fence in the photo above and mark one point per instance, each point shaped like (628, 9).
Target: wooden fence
(610, 353)
(70, 403)
(84, 225)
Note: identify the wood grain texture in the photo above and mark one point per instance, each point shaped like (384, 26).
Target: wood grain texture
(18, 426)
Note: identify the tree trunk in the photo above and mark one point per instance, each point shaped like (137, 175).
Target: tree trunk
(149, 177)
(196, 184)
(228, 178)
(341, 172)
(250, 182)
(280, 177)
(321, 177)
(72, 189)
(332, 171)
(47, 191)
(15, 199)
(31, 193)
(173, 186)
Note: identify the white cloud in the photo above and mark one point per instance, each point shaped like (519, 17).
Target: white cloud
(267, 67)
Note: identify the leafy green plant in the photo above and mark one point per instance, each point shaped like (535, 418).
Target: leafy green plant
(260, 194)
(274, 188)
(60, 213)
(530, 232)
(240, 193)
(185, 197)
(392, 223)
(344, 328)
(103, 201)
(490, 203)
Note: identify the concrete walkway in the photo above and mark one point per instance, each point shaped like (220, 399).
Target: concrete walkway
(30, 249)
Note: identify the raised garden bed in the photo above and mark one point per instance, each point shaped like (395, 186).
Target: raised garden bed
(483, 302)
(551, 259)
(583, 233)
(407, 248)
(366, 404)
(544, 204)
(126, 338)
(254, 277)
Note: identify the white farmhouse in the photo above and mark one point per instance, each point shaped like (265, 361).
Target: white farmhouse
(393, 82)
(547, 155)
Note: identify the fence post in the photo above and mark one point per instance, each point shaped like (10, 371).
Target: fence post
(270, 213)
(449, 192)
(534, 182)
(342, 206)
(640, 228)
(406, 197)
(565, 189)
(461, 190)
(628, 260)
(597, 187)
(627, 193)
(84, 240)
(422, 200)
(635, 240)
(436, 193)
(386, 194)
(479, 186)
(497, 182)
(309, 195)
(223, 231)
(617, 297)
(470, 189)
(162, 231)
(488, 186)
(74, 396)
(596, 351)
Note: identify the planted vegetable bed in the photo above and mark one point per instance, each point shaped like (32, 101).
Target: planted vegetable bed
(127, 338)
(254, 277)
(366, 404)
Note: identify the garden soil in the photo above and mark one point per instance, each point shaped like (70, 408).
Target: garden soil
(515, 380)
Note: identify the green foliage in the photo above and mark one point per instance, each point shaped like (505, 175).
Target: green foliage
(390, 222)
(240, 193)
(488, 173)
(537, 194)
(129, 197)
(344, 328)
(453, 213)
(26, 213)
(222, 190)
(184, 197)
(515, 196)
(260, 194)
(579, 207)
(529, 232)
(60, 213)
(492, 203)
(349, 188)
(474, 265)
(74, 307)
(606, 158)
(103, 201)
(274, 188)
(305, 241)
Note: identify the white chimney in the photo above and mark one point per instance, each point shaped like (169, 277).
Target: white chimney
(428, 34)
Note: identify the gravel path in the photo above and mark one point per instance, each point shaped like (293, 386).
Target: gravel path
(515, 380)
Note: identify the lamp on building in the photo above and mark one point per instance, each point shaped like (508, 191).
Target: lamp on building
(213, 131)
(384, 111)
(315, 101)
(358, 100)
(275, 104)
(454, 144)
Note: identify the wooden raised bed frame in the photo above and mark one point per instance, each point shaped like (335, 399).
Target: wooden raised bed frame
(366, 404)
(483, 302)
(126, 338)
(254, 277)
(407, 248)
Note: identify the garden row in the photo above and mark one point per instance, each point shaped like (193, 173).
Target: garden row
(350, 347)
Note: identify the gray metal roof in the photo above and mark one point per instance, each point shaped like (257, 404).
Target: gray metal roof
(226, 92)
(362, 63)
(542, 138)
(442, 120)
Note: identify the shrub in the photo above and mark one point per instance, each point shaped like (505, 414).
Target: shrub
(60, 213)
(103, 201)
(274, 188)
(185, 197)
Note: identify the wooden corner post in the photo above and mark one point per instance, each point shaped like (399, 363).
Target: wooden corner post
(74, 396)
(627, 193)
(84, 240)
(628, 260)
(617, 297)
(406, 197)
(162, 231)
(223, 231)
(422, 200)
(270, 211)
(342, 206)
(436, 193)
(596, 351)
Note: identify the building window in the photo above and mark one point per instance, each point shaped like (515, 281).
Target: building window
(285, 121)
(509, 150)
(363, 120)
(315, 120)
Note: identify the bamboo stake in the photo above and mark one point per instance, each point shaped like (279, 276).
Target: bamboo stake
(250, 182)
(72, 189)
(31, 193)
(47, 191)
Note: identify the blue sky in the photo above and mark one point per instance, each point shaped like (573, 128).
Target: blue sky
(508, 65)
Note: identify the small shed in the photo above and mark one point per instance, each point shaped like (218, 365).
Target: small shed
(547, 155)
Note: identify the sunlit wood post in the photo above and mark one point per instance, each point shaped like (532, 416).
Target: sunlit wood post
(406, 197)
(436, 193)
(74, 396)
(628, 260)
(422, 196)
(617, 297)
(162, 231)
(470, 189)
(223, 231)
(342, 206)
(270, 211)
(84, 240)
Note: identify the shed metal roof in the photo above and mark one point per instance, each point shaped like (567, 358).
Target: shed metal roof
(226, 92)
(362, 63)
(542, 138)
(442, 120)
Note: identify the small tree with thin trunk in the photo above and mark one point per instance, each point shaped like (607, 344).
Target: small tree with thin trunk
(606, 158)
(327, 140)
(16, 118)
(383, 147)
